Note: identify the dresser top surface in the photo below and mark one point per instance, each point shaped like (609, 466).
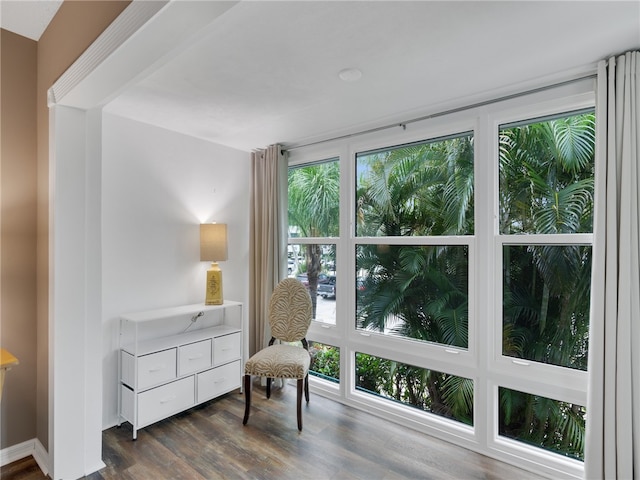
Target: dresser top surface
(160, 313)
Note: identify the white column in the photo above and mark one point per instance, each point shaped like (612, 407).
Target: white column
(74, 323)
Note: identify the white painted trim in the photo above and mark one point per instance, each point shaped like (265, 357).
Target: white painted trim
(16, 452)
(68, 323)
(23, 450)
(144, 37)
(41, 456)
(123, 27)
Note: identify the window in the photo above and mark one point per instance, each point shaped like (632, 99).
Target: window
(543, 422)
(325, 361)
(313, 207)
(546, 184)
(546, 303)
(422, 189)
(445, 395)
(457, 257)
(417, 290)
(414, 291)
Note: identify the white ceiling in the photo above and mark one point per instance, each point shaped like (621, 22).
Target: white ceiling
(267, 71)
(28, 18)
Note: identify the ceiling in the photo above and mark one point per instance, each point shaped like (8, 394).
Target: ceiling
(267, 71)
(28, 18)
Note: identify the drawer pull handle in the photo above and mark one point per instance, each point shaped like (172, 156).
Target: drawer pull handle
(449, 350)
(521, 362)
(156, 369)
(223, 379)
(168, 399)
(195, 357)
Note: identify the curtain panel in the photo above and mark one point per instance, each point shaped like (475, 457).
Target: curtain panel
(267, 242)
(612, 448)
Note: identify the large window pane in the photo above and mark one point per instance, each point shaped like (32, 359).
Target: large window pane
(325, 361)
(439, 393)
(313, 199)
(418, 189)
(414, 291)
(546, 296)
(550, 424)
(546, 176)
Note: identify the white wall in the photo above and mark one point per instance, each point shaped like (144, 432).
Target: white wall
(157, 187)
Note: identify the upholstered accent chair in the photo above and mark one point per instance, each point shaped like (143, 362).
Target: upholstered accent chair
(289, 318)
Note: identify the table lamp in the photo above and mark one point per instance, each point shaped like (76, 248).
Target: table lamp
(213, 248)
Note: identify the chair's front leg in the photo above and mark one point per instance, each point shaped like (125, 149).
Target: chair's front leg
(299, 403)
(247, 397)
(268, 387)
(306, 387)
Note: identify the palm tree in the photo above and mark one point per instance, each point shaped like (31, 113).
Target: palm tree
(424, 189)
(313, 211)
(418, 291)
(546, 187)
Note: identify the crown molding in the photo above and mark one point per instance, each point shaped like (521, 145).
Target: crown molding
(115, 35)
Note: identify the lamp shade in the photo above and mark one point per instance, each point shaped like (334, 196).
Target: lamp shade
(213, 242)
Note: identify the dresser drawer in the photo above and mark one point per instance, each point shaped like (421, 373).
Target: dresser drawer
(164, 401)
(156, 368)
(194, 357)
(218, 380)
(226, 348)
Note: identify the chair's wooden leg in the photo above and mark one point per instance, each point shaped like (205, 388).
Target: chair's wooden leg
(306, 388)
(268, 387)
(299, 403)
(247, 398)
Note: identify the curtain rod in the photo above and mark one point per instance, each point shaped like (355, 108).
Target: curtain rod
(404, 124)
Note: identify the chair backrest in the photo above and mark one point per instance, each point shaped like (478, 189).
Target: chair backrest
(290, 311)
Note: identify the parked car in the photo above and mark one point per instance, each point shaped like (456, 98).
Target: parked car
(327, 288)
(322, 277)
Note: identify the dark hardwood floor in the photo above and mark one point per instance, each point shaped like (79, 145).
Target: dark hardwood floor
(337, 442)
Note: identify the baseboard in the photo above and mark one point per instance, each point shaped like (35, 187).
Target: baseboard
(26, 449)
(41, 456)
(16, 452)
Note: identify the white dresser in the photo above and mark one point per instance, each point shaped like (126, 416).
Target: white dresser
(172, 359)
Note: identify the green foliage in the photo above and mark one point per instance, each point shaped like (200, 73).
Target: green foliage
(546, 176)
(540, 421)
(373, 373)
(325, 361)
(546, 187)
(313, 199)
(422, 189)
(415, 291)
(439, 393)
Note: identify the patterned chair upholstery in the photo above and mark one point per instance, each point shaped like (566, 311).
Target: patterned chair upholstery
(289, 317)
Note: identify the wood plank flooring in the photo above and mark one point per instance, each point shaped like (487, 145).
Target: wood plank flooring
(337, 442)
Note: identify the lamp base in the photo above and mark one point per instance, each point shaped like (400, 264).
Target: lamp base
(214, 286)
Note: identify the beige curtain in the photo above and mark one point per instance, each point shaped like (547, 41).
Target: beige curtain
(268, 238)
(613, 407)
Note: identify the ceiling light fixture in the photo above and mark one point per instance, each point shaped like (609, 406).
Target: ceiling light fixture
(350, 74)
